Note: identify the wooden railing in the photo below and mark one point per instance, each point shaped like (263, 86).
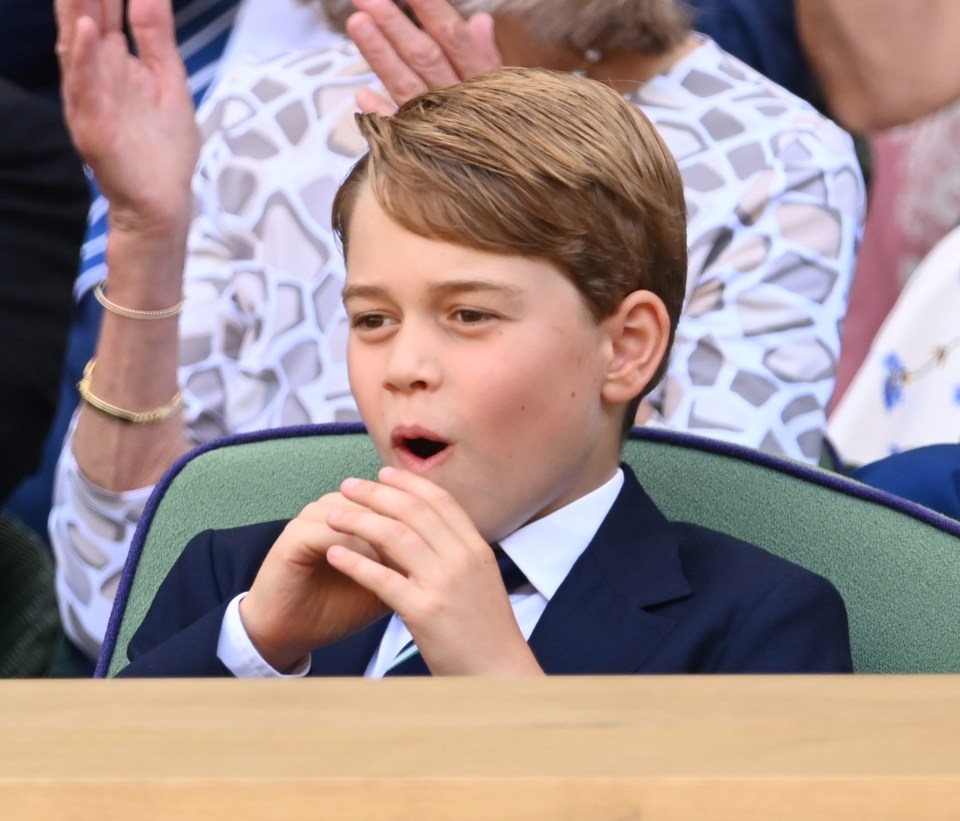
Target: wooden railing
(856, 747)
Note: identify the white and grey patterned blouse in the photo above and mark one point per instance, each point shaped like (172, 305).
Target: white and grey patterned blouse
(775, 201)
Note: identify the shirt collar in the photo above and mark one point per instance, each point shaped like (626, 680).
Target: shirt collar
(546, 549)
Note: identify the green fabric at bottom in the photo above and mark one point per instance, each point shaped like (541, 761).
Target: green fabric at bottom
(30, 630)
(899, 576)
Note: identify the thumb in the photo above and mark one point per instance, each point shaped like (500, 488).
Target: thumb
(482, 32)
(371, 102)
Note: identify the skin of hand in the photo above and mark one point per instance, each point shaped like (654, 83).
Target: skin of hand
(448, 48)
(410, 60)
(298, 601)
(131, 117)
(439, 574)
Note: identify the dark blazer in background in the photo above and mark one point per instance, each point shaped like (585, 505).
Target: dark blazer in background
(43, 209)
(646, 596)
(762, 33)
(27, 38)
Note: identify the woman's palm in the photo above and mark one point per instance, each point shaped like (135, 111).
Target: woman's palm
(131, 117)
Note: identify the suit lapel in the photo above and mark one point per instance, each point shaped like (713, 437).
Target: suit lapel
(599, 620)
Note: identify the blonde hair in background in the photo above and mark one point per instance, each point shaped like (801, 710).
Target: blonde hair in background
(646, 26)
(539, 164)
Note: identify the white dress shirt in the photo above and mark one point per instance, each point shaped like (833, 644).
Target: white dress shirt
(567, 531)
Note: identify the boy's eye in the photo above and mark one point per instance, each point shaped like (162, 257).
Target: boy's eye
(472, 316)
(369, 322)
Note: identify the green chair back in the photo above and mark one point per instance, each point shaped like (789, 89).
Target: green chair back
(896, 564)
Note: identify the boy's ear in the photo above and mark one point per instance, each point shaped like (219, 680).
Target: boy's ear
(638, 334)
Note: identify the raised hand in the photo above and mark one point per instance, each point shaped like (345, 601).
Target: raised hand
(439, 574)
(409, 60)
(298, 601)
(131, 117)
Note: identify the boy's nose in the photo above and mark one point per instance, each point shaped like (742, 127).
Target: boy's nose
(412, 363)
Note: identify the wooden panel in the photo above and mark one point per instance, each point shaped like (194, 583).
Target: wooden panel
(638, 747)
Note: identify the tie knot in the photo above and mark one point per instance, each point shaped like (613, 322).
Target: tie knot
(512, 575)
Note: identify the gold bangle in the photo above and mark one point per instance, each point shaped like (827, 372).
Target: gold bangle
(134, 417)
(133, 313)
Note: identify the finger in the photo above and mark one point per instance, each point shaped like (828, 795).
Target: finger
(393, 540)
(66, 15)
(400, 80)
(318, 510)
(68, 12)
(440, 501)
(111, 15)
(469, 47)
(154, 32)
(411, 515)
(485, 41)
(107, 14)
(309, 542)
(372, 102)
(419, 50)
(391, 587)
(81, 78)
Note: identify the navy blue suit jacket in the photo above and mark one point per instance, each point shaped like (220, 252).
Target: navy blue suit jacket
(646, 596)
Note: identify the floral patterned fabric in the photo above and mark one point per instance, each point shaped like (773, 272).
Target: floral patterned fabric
(914, 202)
(775, 204)
(907, 392)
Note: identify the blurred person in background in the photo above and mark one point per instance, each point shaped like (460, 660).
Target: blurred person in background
(43, 202)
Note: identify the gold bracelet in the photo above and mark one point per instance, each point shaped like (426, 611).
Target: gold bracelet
(133, 313)
(134, 417)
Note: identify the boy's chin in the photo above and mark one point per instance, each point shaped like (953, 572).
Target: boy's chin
(496, 523)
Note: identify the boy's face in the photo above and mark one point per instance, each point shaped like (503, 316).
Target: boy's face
(482, 372)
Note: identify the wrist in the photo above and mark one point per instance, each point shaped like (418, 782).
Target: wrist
(282, 656)
(506, 658)
(516, 662)
(145, 272)
(151, 219)
(130, 233)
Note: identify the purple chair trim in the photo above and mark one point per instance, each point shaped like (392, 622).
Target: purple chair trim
(833, 481)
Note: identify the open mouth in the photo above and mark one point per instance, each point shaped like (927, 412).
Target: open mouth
(424, 448)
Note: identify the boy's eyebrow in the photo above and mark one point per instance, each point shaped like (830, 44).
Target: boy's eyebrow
(449, 288)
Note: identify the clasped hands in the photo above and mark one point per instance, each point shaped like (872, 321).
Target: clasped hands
(400, 544)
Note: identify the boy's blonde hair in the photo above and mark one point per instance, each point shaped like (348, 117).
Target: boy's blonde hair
(538, 164)
(647, 26)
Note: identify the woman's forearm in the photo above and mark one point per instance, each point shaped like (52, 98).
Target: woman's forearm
(131, 117)
(136, 365)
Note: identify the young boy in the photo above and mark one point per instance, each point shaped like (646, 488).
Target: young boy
(516, 260)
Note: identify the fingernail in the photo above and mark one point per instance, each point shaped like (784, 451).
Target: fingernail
(350, 484)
